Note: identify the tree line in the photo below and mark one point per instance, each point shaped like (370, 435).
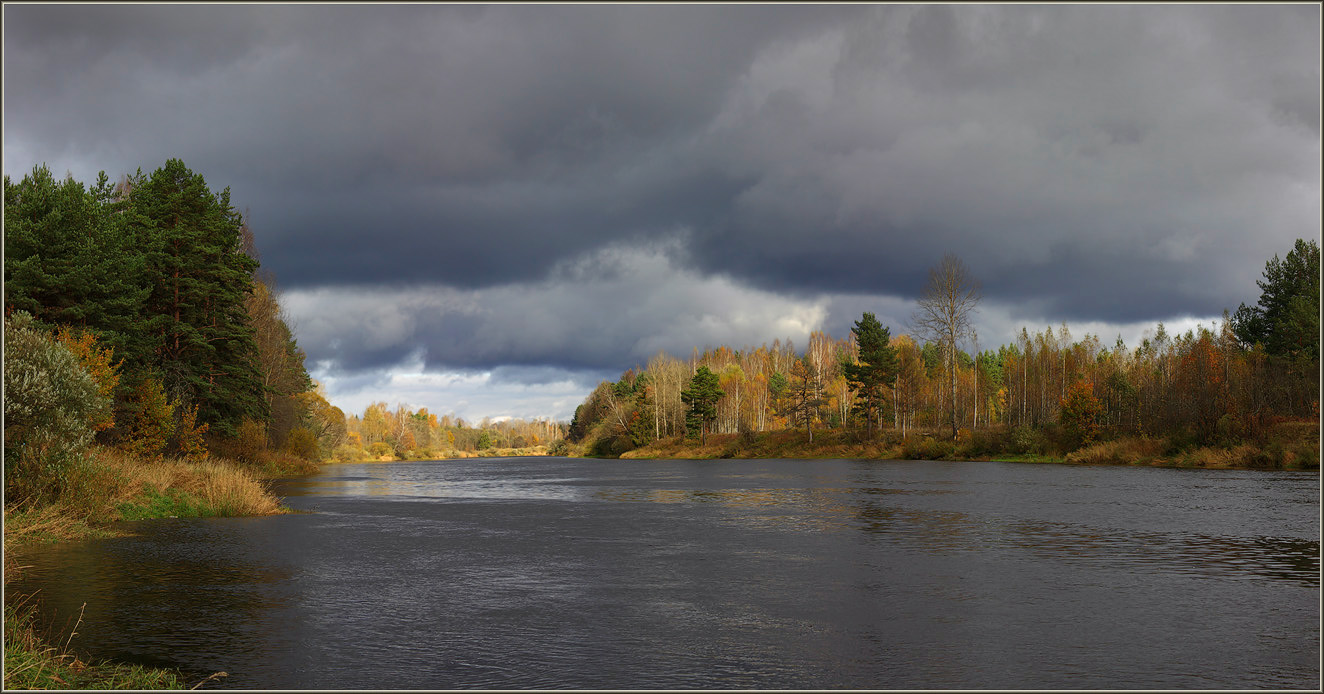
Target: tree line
(137, 316)
(149, 287)
(1216, 384)
(406, 434)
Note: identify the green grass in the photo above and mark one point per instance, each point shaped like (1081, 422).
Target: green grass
(172, 503)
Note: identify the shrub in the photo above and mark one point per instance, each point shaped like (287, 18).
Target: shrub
(188, 434)
(380, 449)
(1024, 439)
(559, 447)
(302, 442)
(250, 440)
(985, 442)
(149, 418)
(928, 448)
(52, 407)
(346, 453)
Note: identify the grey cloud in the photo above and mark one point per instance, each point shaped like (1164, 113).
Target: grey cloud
(629, 303)
(466, 173)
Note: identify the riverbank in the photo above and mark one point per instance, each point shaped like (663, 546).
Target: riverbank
(1287, 445)
(362, 456)
(109, 486)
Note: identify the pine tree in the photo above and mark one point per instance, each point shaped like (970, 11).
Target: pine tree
(204, 345)
(1286, 319)
(876, 372)
(701, 397)
(70, 260)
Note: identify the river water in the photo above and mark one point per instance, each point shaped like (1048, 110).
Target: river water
(604, 574)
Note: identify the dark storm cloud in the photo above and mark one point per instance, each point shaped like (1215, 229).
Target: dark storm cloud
(455, 134)
(451, 166)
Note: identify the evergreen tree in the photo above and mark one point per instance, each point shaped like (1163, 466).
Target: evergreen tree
(701, 397)
(70, 260)
(874, 375)
(1286, 319)
(200, 277)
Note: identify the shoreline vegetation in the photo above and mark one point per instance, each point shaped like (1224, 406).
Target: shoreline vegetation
(1290, 445)
(101, 488)
(1243, 393)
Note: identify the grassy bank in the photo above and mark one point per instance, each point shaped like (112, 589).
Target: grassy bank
(105, 487)
(1286, 445)
(109, 486)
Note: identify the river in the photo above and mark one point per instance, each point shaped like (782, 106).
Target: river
(605, 574)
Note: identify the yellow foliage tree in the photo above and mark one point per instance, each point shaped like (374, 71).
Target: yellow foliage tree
(152, 419)
(188, 434)
(97, 362)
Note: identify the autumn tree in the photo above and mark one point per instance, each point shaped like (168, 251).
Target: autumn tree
(99, 363)
(944, 316)
(804, 390)
(1080, 414)
(279, 360)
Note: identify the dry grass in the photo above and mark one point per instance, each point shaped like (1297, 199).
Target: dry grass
(108, 482)
(1124, 451)
(226, 487)
(97, 491)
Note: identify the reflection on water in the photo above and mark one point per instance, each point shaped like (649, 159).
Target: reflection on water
(556, 573)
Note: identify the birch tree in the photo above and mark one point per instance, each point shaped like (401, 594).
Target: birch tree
(944, 316)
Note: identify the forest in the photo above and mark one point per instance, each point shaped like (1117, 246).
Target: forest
(140, 328)
(1245, 391)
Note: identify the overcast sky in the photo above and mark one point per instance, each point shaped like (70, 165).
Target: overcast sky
(486, 210)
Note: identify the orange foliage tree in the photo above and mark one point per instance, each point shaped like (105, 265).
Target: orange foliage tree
(98, 362)
(1080, 413)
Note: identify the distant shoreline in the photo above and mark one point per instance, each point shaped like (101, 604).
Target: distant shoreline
(1292, 446)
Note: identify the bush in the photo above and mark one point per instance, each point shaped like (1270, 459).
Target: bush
(985, 442)
(380, 449)
(189, 434)
(302, 443)
(928, 448)
(250, 441)
(346, 453)
(52, 407)
(560, 447)
(1024, 439)
(149, 418)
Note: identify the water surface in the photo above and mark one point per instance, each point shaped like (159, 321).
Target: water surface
(593, 574)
